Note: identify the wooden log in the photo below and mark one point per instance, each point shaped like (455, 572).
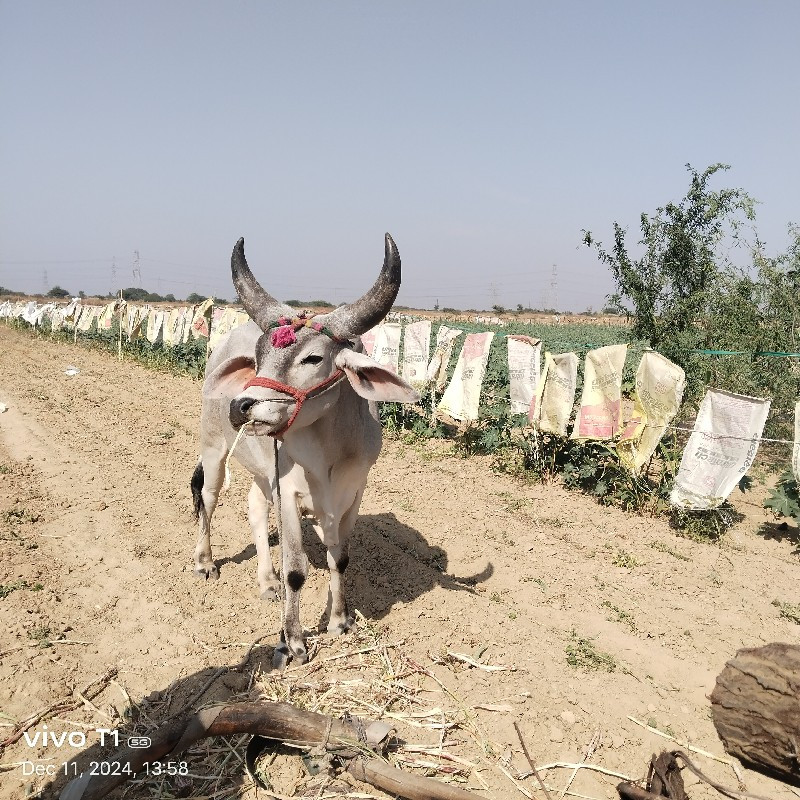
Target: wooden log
(394, 781)
(756, 709)
(281, 722)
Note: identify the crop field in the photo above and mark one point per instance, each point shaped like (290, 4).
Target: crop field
(493, 610)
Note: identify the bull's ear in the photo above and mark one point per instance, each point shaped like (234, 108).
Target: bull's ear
(371, 380)
(229, 378)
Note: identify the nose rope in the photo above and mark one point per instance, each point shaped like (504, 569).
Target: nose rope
(227, 482)
(299, 395)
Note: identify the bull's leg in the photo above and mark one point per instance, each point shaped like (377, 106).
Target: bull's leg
(340, 621)
(206, 485)
(258, 513)
(294, 569)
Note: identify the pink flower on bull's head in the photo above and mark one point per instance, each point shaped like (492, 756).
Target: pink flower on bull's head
(283, 336)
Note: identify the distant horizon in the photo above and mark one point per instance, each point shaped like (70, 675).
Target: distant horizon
(6, 294)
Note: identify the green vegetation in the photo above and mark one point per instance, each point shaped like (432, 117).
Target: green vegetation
(309, 304)
(619, 615)
(7, 588)
(137, 295)
(784, 499)
(664, 548)
(58, 292)
(41, 634)
(788, 611)
(624, 560)
(182, 359)
(582, 654)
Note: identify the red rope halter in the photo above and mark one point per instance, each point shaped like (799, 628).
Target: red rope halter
(300, 395)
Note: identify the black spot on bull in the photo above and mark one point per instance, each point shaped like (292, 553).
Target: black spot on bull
(197, 489)
(295, 580)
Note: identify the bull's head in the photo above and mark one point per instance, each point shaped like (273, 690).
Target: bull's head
(302, 362)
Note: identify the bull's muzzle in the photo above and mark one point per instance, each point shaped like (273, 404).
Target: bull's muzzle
(239, 410)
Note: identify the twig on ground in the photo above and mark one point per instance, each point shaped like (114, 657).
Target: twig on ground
(688, 746)
(586, 757)
(127, 711)
(530, 761)
(592, 767)
(485, 667)
(515, 781)
(91, 690)
(362, 650)
(39, 644)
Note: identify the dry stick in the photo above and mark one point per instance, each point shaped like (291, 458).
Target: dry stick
(688, 746)
(591, 767)
(513, 780)
(91, 690)
(587, 756)
(362, 650)
(530, 761)
(36, 644)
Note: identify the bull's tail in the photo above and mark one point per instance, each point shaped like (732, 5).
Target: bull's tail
(197, 489)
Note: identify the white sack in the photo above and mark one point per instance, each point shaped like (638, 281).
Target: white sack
(720, 450)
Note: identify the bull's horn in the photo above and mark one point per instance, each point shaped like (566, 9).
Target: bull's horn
(358, 317)
(262, 307)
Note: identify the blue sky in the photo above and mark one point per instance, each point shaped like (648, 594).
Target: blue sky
(483, 136)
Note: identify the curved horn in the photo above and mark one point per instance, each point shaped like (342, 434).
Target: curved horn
(262, 307)
(366, 312)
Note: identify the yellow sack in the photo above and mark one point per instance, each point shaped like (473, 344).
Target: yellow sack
(659, 391)
(600, 413)
(552, 402)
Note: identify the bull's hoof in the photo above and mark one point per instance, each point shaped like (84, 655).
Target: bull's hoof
(341, 626)
(280, 658)
(271, 591)
(206, 571)
(283, 655)
(300, 655)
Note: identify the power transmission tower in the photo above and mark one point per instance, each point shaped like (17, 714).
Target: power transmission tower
(493, 291)
(137, 271)
(554, 288)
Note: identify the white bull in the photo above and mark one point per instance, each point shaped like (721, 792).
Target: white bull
(304, 383)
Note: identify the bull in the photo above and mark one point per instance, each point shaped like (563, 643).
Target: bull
(306, 395)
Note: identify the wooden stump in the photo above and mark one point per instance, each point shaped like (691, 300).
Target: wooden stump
(756, 709)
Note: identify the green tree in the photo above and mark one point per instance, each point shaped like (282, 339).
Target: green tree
(57, 291)
(674, 285)
(195, 299)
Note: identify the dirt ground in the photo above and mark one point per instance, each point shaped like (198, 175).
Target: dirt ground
(96, 542)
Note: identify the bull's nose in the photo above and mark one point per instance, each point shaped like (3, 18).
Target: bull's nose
(238, 410)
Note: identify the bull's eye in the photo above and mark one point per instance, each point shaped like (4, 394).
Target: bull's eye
(311, 360)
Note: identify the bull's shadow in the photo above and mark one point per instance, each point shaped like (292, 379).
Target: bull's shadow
(186, 695)
(390, 563)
